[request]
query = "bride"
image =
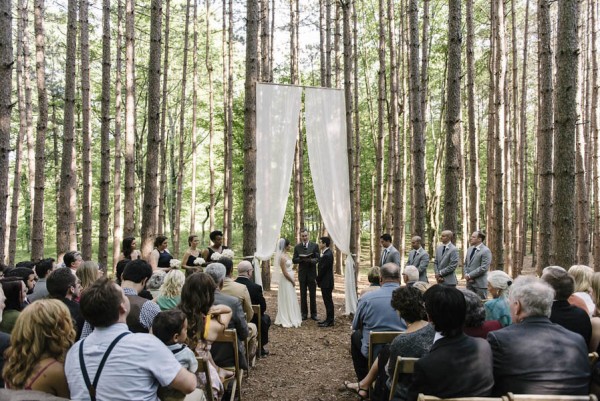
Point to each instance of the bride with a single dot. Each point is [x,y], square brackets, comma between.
[288,310]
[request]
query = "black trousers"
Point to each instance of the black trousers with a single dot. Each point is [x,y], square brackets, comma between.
[360,362]
[307,275]
[328,301]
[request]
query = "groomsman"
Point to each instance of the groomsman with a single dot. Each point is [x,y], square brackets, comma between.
[389,254]
[477,262]
[419,258]
[446,260]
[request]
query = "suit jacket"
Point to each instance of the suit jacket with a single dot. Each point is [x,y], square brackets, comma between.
[313,251]
[240,291]
[393,256]
[572,318]
[454,367]
[420,259]
[222,353]
[537,356]
[325,276]
[255,291]
[477,266]
[446,263]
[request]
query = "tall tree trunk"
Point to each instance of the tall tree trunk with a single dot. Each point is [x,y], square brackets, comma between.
[322,47]
[299,155]
[328,41]
[473,139]
[6,67]
[453,131]
[595,131]
[226,171]
[211,163]
[249,185]
[86,196]
[65,222]
[395,175]
[264,41]
[418,139]
[229,160]
[195,149]
[356,215]
[37,234]
[513,238]
[129,220]
[425,48]
[105,138]
[491,128]
[567,64]
[117,226]
[148,230]
[162,197]
[381,112]
[545,135]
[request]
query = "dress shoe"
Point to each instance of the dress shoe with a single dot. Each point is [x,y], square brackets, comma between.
[314,317]
[304,317]
[323,321]
[326,324]
[264,352]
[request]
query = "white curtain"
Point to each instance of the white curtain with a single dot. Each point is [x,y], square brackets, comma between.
[277,113]
[325,111]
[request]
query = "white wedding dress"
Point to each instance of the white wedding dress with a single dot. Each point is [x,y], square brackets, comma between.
[288,309]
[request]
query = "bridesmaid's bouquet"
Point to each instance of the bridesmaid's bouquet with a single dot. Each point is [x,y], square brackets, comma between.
[175,263]
[227,253]
[199,261]
[215,256]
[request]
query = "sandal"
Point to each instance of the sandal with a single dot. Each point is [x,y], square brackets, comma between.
[225,374]
[357,390]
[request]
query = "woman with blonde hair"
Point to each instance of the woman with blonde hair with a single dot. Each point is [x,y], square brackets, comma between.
[39,342]
[87,273]
[583,276]
[595,282]
[169,294]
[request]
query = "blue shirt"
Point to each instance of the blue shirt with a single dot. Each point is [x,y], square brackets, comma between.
[375,313]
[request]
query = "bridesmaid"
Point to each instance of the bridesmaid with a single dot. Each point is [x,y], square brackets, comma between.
[130,250]
[160,257]
[216,237]
[191,255]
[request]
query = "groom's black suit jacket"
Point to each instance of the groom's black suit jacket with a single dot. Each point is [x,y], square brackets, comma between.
[325,276]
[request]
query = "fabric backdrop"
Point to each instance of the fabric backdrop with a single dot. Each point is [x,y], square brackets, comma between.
[277,113]
[325,111]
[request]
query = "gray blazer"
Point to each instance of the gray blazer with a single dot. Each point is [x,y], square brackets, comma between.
[393,256]
[420,259]
[478,266]
[446,264]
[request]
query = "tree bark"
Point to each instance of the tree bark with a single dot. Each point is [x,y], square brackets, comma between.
[6,67]
[228,228]
[117,227]
[474,198]
[162,201]
[264,41]
[66,221]
[381,117]
[356,215]
[211,163]
[299,155]
[130,120]
[565,120]
[195,150]
[148,230]
[594,126]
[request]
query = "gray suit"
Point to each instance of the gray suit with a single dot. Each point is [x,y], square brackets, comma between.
[446,263]
[420,259]
[392,256]
[477,267]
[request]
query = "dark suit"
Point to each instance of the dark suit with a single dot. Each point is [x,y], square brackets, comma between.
[537,356]
[454,367]
[257,297]
[325,282]
[572,318]
[419,258]
[307,275]
[221,352]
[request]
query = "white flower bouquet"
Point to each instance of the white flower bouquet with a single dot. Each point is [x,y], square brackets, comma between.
[215,256]
[175,263]
[227,253]
[199,261]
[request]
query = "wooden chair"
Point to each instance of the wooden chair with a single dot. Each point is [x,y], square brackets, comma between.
[258,314]
[423,397]
[539,397]
[592,358]
[230,336]
[403,365]
[203,368]
[379,338]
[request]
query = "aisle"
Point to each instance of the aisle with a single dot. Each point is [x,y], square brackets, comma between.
[307,363]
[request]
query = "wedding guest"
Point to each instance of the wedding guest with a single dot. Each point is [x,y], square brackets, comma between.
[475,323]
[169,294]
[410,275]
[583,276]
[27,275]
[4,337]
[87,273]
[15,292]
[142,311]
[497,308]
[373,276]
[190,256]
[40,339]
[245,271]
[42,268]
[65,287]
[130,250]
[160,257]
[155,282]
[72,260]
[119,269]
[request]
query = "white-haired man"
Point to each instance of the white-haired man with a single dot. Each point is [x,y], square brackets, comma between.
[410,275]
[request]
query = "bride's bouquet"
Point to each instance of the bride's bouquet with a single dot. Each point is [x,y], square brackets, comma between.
[215,256]
[175,263]
[227,253]
[199,261]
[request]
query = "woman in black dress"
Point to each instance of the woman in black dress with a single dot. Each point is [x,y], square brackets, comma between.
[216,237]
[160,257]
[191,255]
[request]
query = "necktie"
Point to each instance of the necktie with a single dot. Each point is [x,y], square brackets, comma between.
[383,256]
[306,245]
[444,250]
[472,254]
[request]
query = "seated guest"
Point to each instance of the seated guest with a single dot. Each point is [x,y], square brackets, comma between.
[497,308]
[73,260]
[410,275]
[42,335]
[135,364]
[457,365]
[155,281]
[142,311]
[27,275]
[169,294]
[65,287]
[87,273]
[4,337]
[374,313]
[534,355]
[373,277]
[475,323]
[222,353]
[414,343]
[563,313]
[119,269]
[583,276]
[42,268]
[15,292]
[245,271]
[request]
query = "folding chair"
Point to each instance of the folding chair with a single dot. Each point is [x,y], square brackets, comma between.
[423,397]
[230,336]
[539,397]
[405,366]
[203,368]
[592,358]
[258,314]
[379,338]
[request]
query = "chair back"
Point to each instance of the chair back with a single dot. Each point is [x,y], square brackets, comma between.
[203,368]
[379,338]
[423,397]
[592,358]
[258,314]
[230,336]
[405,366]
[539,397]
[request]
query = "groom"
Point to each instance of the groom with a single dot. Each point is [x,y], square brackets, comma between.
[306,256]
[325,279]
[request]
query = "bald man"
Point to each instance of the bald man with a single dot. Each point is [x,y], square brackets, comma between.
[245,271]
[446,260]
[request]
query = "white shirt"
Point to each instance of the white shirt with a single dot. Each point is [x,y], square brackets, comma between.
[137,365]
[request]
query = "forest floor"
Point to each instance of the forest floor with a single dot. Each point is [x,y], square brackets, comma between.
[309,363]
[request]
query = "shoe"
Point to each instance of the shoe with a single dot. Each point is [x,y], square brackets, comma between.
[264,352]
[304,317]
[322,321]
[326,324]
[363,393]
[314,317]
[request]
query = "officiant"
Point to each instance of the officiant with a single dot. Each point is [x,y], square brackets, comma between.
[306,256]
